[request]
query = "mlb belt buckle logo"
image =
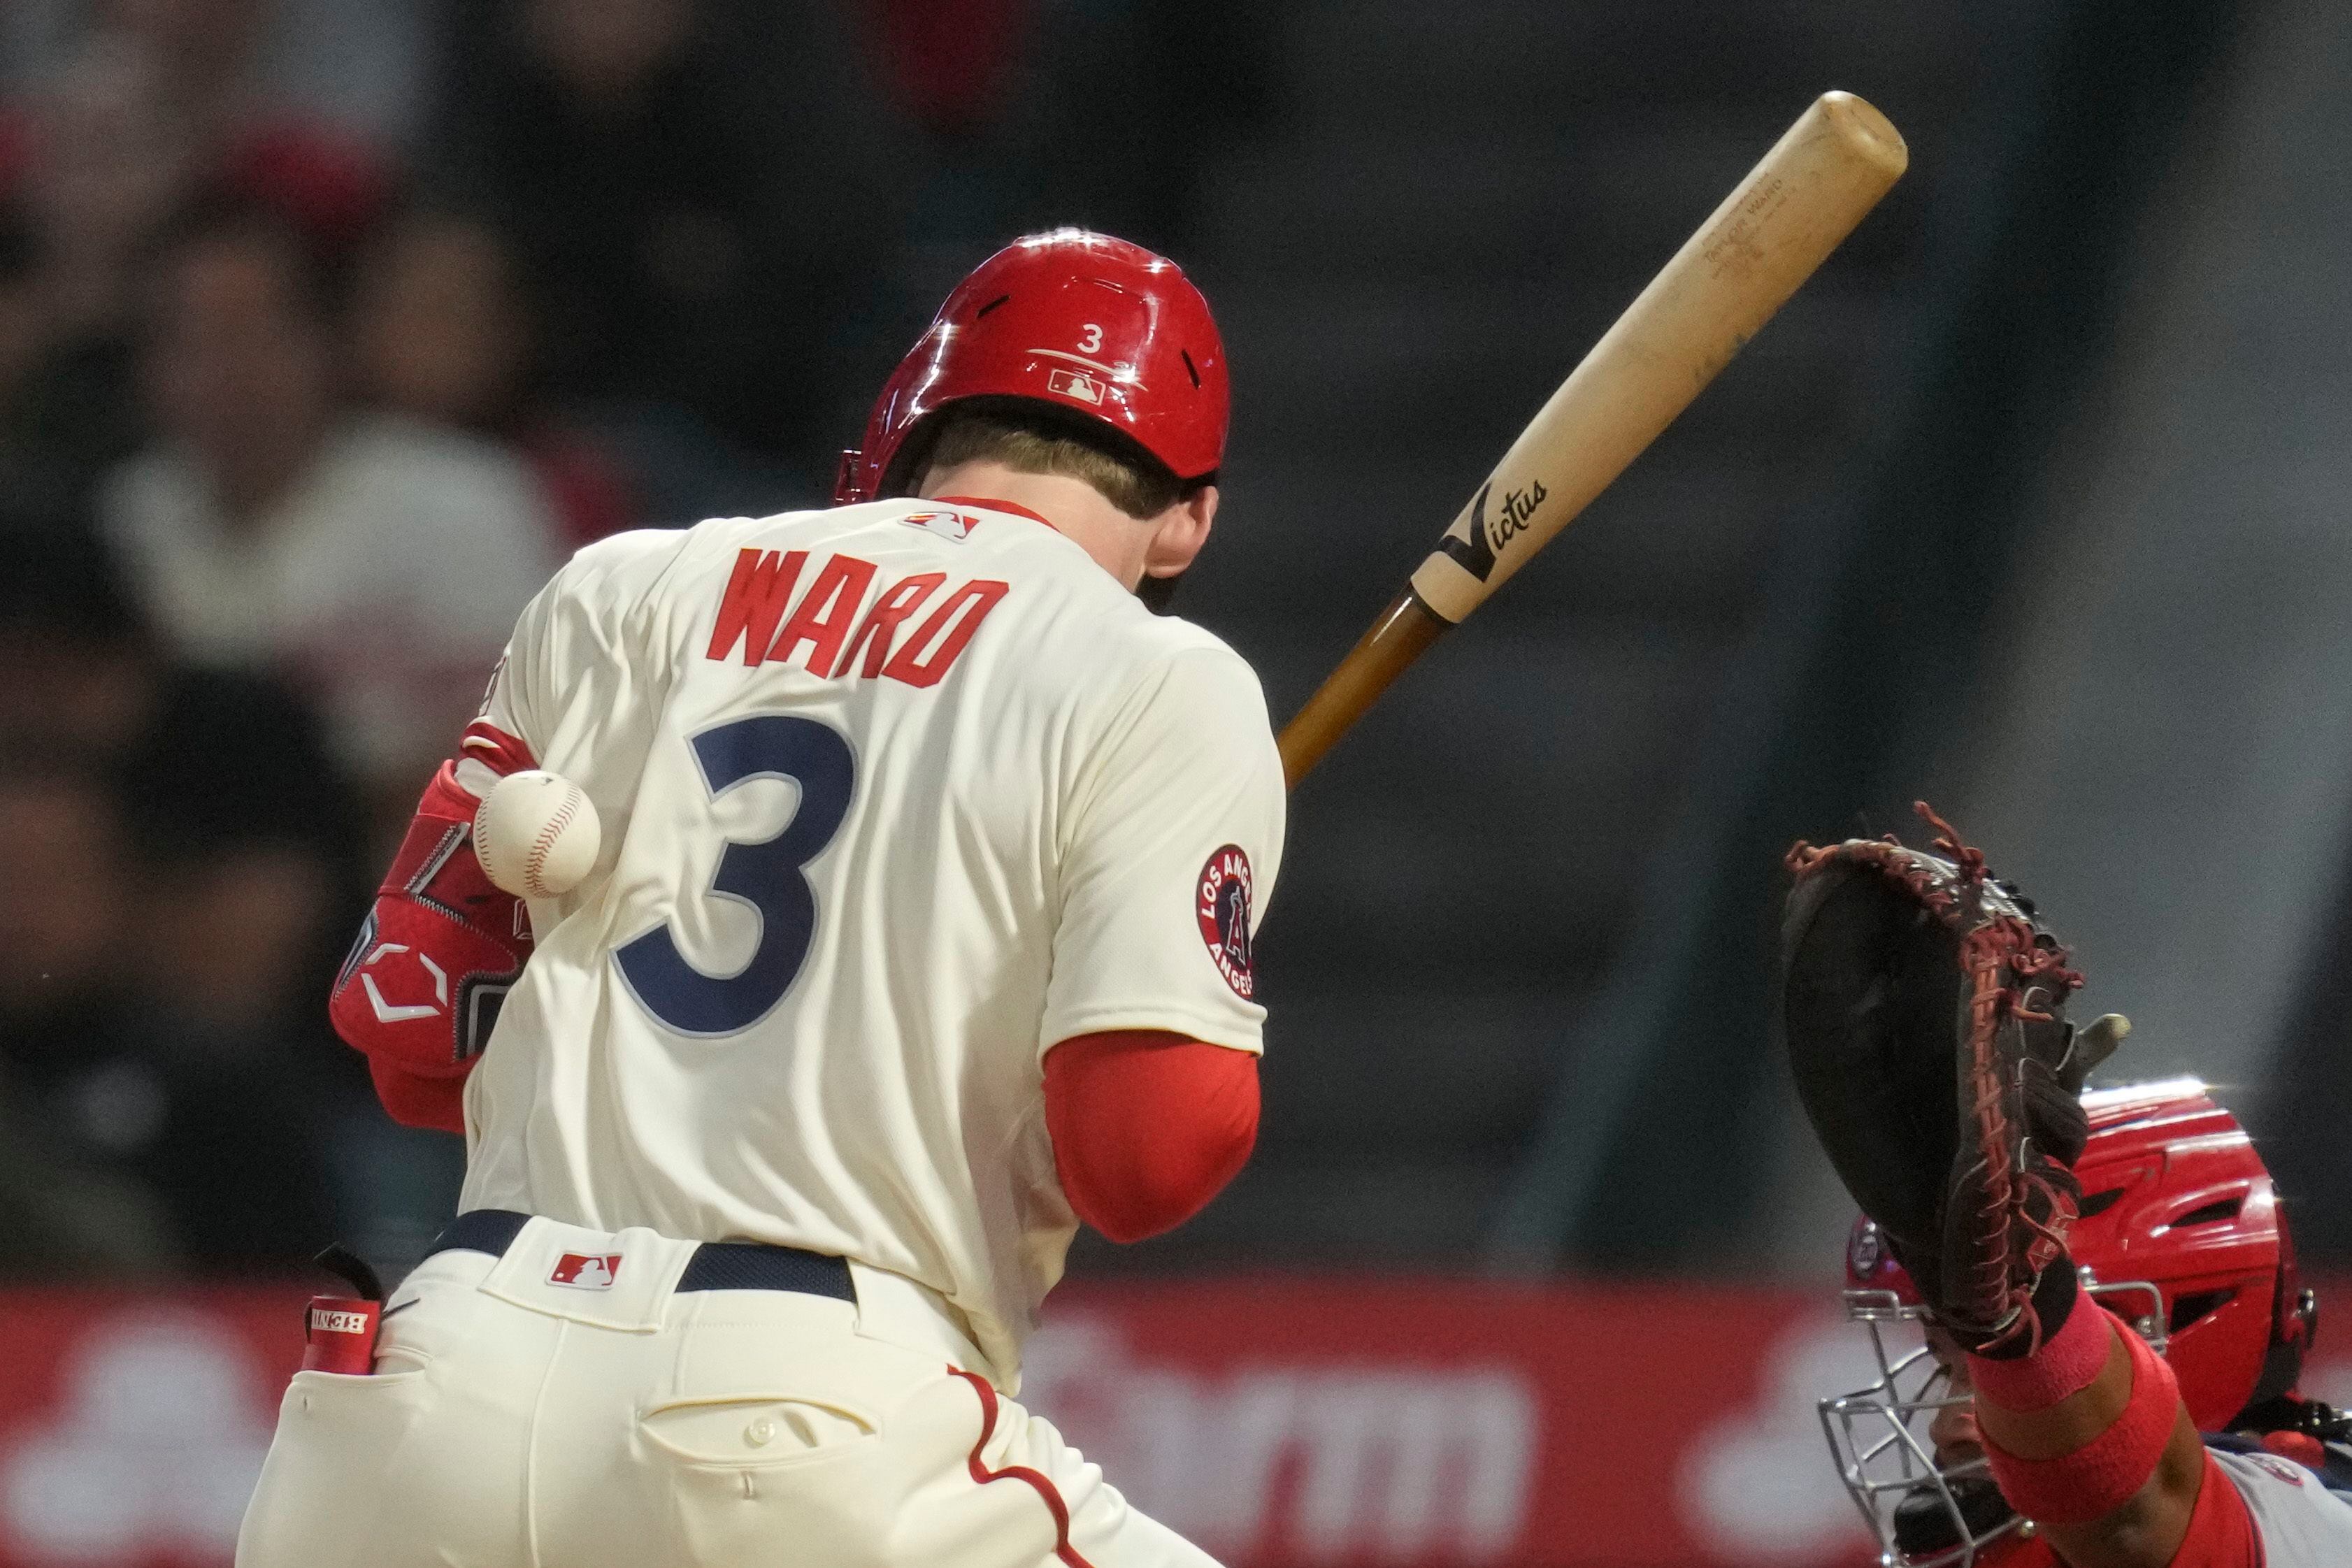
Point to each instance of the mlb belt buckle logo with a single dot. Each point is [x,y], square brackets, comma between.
[585,1270]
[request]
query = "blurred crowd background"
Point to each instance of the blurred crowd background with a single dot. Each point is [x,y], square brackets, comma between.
[328,327]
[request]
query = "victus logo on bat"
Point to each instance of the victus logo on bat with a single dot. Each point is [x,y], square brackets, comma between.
[1475,555]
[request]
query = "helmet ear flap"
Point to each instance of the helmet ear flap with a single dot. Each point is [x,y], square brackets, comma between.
[2306,1319]
[898,477]
[2295,1324]
[854,481]
[2294,1310]
[2282,1362]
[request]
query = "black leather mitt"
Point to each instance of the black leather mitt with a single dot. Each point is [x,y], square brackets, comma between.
[1923,1007]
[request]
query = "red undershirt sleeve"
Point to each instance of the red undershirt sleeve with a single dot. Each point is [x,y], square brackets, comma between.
[2221,1532]
[1147,1127]
[414,1100]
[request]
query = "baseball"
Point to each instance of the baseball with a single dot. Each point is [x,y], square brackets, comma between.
[536,834]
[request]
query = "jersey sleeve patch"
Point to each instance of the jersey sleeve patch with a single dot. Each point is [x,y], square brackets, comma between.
[1220,901]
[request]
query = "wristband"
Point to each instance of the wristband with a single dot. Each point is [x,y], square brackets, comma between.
[2069,1359]
[2107,1472]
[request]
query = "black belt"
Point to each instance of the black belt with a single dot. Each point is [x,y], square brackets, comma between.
[715,1266]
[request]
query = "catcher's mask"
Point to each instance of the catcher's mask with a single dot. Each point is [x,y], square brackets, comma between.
[2181,1236]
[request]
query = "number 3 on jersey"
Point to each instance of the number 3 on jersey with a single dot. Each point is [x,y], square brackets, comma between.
[767,876]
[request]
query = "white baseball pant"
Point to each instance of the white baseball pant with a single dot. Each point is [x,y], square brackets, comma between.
[516,1422]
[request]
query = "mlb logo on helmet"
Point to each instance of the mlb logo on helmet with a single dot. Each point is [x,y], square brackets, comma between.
[1075,384]
[585,1271]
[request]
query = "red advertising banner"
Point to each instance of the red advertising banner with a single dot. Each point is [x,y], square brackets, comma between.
[1282,1423]
[130,1425]
[1290,1422]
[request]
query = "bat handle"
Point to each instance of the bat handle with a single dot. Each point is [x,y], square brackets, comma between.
[1401,634]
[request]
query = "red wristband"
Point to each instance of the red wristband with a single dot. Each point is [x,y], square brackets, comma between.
[2105,1473]
[2065,1365]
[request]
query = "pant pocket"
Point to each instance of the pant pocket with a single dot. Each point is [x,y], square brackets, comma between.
[759,1430]
[755,1482]
[321,1493]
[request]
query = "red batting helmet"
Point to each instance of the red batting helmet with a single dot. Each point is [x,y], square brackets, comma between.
[2180,1235]
[1080,321]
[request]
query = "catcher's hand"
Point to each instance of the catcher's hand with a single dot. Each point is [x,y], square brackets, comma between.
[1923,1009]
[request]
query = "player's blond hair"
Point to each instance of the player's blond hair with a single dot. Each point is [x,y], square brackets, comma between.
[1039,447]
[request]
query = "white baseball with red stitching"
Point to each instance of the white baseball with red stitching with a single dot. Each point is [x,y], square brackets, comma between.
[536,834]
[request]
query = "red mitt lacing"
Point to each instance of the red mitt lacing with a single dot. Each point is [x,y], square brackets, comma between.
[1990,942]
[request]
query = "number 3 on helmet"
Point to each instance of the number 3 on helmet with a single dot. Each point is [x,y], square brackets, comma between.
[1102,330]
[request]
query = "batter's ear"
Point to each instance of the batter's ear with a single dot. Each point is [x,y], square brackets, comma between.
[1178,533]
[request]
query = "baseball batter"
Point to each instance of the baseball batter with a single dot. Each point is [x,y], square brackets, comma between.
[920,930]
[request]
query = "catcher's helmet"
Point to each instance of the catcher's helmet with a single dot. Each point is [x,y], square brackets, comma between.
[2180,1235]
[1099,328]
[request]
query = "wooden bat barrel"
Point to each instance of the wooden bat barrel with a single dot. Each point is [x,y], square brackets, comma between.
[1778,225]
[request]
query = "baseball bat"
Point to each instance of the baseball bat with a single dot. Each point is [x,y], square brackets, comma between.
[1777,225]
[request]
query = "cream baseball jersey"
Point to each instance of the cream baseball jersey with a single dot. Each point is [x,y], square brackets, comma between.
[896,797]
[2300,1522]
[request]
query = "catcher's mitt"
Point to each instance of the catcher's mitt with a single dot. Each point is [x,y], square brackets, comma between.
[1923,1009]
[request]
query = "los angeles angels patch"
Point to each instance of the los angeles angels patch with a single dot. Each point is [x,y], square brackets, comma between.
[1220,901]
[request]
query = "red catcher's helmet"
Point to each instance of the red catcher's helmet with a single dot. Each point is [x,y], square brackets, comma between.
[2182,1234]
[1076,320]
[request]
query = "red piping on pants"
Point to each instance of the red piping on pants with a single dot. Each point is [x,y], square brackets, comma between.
[981,1474]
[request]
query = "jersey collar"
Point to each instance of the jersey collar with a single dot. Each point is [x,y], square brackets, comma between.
[994,506]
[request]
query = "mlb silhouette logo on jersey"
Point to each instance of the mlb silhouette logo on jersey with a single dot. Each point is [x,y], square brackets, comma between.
[585,1271]
[955,527]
